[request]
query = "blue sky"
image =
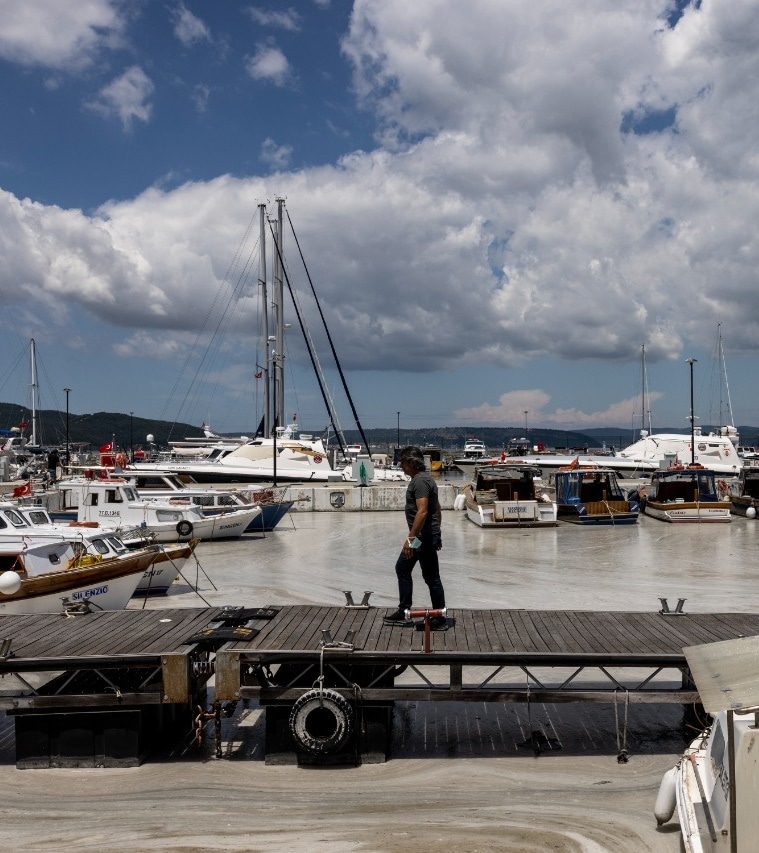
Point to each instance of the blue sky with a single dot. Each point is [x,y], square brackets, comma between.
[498,204]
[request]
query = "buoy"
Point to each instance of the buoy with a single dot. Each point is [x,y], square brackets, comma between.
[751,512]
[664,807]
[321,721]
[459,502]
[10,583]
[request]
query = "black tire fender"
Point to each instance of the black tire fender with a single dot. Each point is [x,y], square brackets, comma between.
[184,527]
[321,721]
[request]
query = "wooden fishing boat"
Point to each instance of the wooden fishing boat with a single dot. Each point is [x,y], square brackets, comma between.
[508,496]
[592,496]
[686,494]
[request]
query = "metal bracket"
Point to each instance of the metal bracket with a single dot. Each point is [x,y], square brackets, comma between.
[328,642]
[678,611]
[350,603]
[5,648]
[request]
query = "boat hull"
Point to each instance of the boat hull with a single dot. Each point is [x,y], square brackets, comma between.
[699,512]
[506,514]
[107,585]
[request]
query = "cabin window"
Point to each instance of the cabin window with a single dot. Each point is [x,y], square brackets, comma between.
[203,500]
[113,496]
[15,519]
[39,516]
[100,546]
[92,499]
[168,515]
[3,523]
[226,500]
[117,545]
[53,558]
[130,494]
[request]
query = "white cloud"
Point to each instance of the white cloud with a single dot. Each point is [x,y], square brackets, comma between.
[287,20]
[276,156]
[63,36]
[126,98]
[504,216]
[188,28]
[269,63]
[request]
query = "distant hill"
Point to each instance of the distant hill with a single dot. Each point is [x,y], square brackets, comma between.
[96,429]
[131,431]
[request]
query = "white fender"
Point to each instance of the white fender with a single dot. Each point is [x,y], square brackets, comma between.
[751,512]
[664,807]
[459,502]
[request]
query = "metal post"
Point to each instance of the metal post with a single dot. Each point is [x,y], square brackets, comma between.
[398,440]
[691,362]
[68,453]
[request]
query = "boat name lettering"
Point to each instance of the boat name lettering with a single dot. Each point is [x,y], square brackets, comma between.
[518,510]
[89,593]
[109,513]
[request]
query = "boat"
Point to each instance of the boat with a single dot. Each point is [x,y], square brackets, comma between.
[289,456]
[113,503]
[713,786]
[508,496]
[474,450]
[46,575]
[22,525]
[592,496]
[686,494]
[744,499]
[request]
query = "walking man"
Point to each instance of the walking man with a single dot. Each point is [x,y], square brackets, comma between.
[423,517]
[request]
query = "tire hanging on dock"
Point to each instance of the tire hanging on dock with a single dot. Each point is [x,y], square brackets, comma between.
[321,721]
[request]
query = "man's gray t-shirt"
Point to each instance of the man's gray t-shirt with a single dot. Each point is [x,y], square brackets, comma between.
[423,485]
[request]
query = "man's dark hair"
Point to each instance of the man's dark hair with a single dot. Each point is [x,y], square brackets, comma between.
[414,456]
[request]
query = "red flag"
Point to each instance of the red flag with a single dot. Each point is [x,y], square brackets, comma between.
[258,375]
[575,463]
[106,448]
[20,491]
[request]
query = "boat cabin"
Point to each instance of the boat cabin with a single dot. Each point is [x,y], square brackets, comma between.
[684,485]
[505,483]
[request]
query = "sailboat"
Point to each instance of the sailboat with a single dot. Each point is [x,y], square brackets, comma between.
[280,452]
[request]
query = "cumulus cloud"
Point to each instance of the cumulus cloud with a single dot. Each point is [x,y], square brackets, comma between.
[513,406]
[269,63]
[126,98]
[544,184]
[62,36]
[188,28]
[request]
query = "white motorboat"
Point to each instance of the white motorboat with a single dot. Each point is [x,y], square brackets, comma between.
[713,787]
[474,450]
[687,494]
[114,503]
[507,496]
[22,525]
[288,457]
[744,497]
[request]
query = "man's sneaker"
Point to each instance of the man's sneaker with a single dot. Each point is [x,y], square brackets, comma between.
[397,618]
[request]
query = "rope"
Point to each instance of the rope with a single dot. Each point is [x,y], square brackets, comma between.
[623,755]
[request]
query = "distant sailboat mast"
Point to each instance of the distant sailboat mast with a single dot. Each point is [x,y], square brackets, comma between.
[644,395]
[723,375]
[33,351]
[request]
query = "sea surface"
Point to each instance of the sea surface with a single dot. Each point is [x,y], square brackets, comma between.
[460,774]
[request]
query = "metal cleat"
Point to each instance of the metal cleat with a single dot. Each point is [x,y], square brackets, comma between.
[350,603]
[678,611]
[328,642]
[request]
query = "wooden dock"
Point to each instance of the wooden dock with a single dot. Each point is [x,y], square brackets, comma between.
[99,688]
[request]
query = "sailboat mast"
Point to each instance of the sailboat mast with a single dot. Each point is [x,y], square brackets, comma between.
[279,315]
[642,388]
[731,421]
[33,352]
[265,324]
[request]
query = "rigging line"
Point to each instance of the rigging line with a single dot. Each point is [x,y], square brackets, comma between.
[309,345]
[329,337]
[214,345]
[206,319]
